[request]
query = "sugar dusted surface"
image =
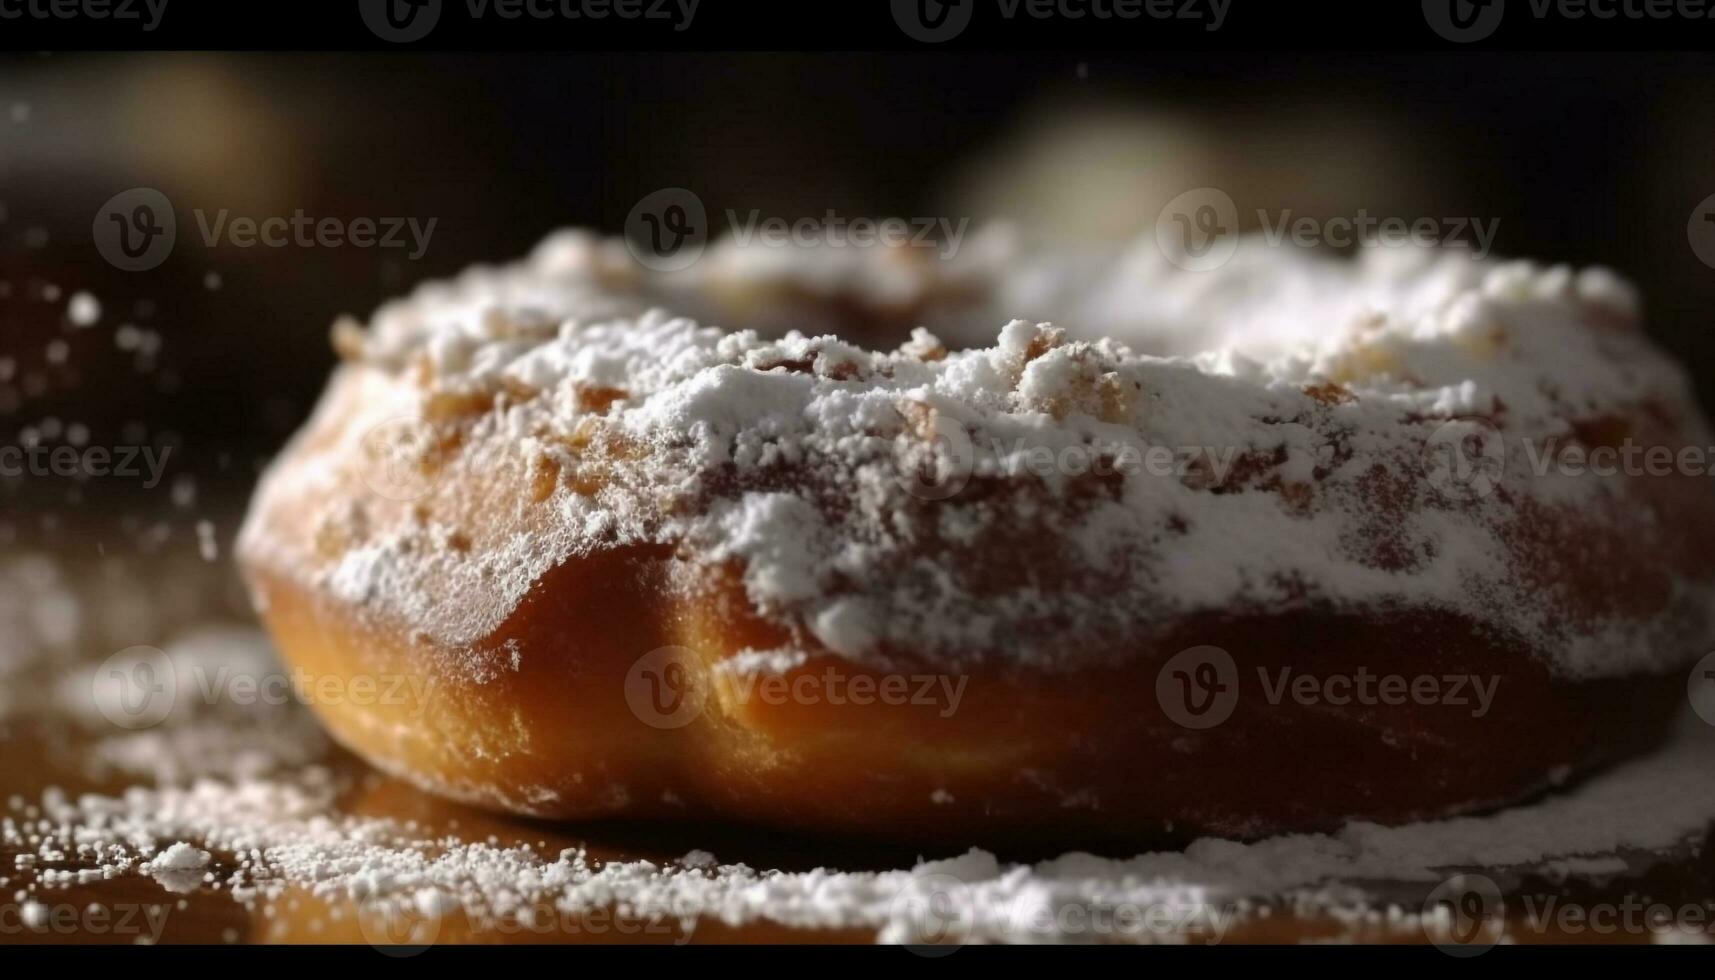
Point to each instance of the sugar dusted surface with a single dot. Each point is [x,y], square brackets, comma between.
[283,826]
[1298,396]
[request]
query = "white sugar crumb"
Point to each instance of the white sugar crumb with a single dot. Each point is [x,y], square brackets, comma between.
[1295,398]
[179,857]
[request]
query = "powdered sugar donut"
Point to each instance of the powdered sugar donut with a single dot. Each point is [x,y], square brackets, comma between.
[1358,559]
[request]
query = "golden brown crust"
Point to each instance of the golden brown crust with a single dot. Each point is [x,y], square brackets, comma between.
[1091,756]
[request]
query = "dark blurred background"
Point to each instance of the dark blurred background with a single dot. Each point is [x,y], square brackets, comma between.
[219,352]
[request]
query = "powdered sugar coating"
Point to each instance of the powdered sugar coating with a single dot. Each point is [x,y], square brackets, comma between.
[1294,471]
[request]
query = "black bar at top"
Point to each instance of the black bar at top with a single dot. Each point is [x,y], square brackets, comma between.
[927,25]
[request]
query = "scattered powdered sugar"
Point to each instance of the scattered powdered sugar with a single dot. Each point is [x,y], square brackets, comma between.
[970,505]
[259,838]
